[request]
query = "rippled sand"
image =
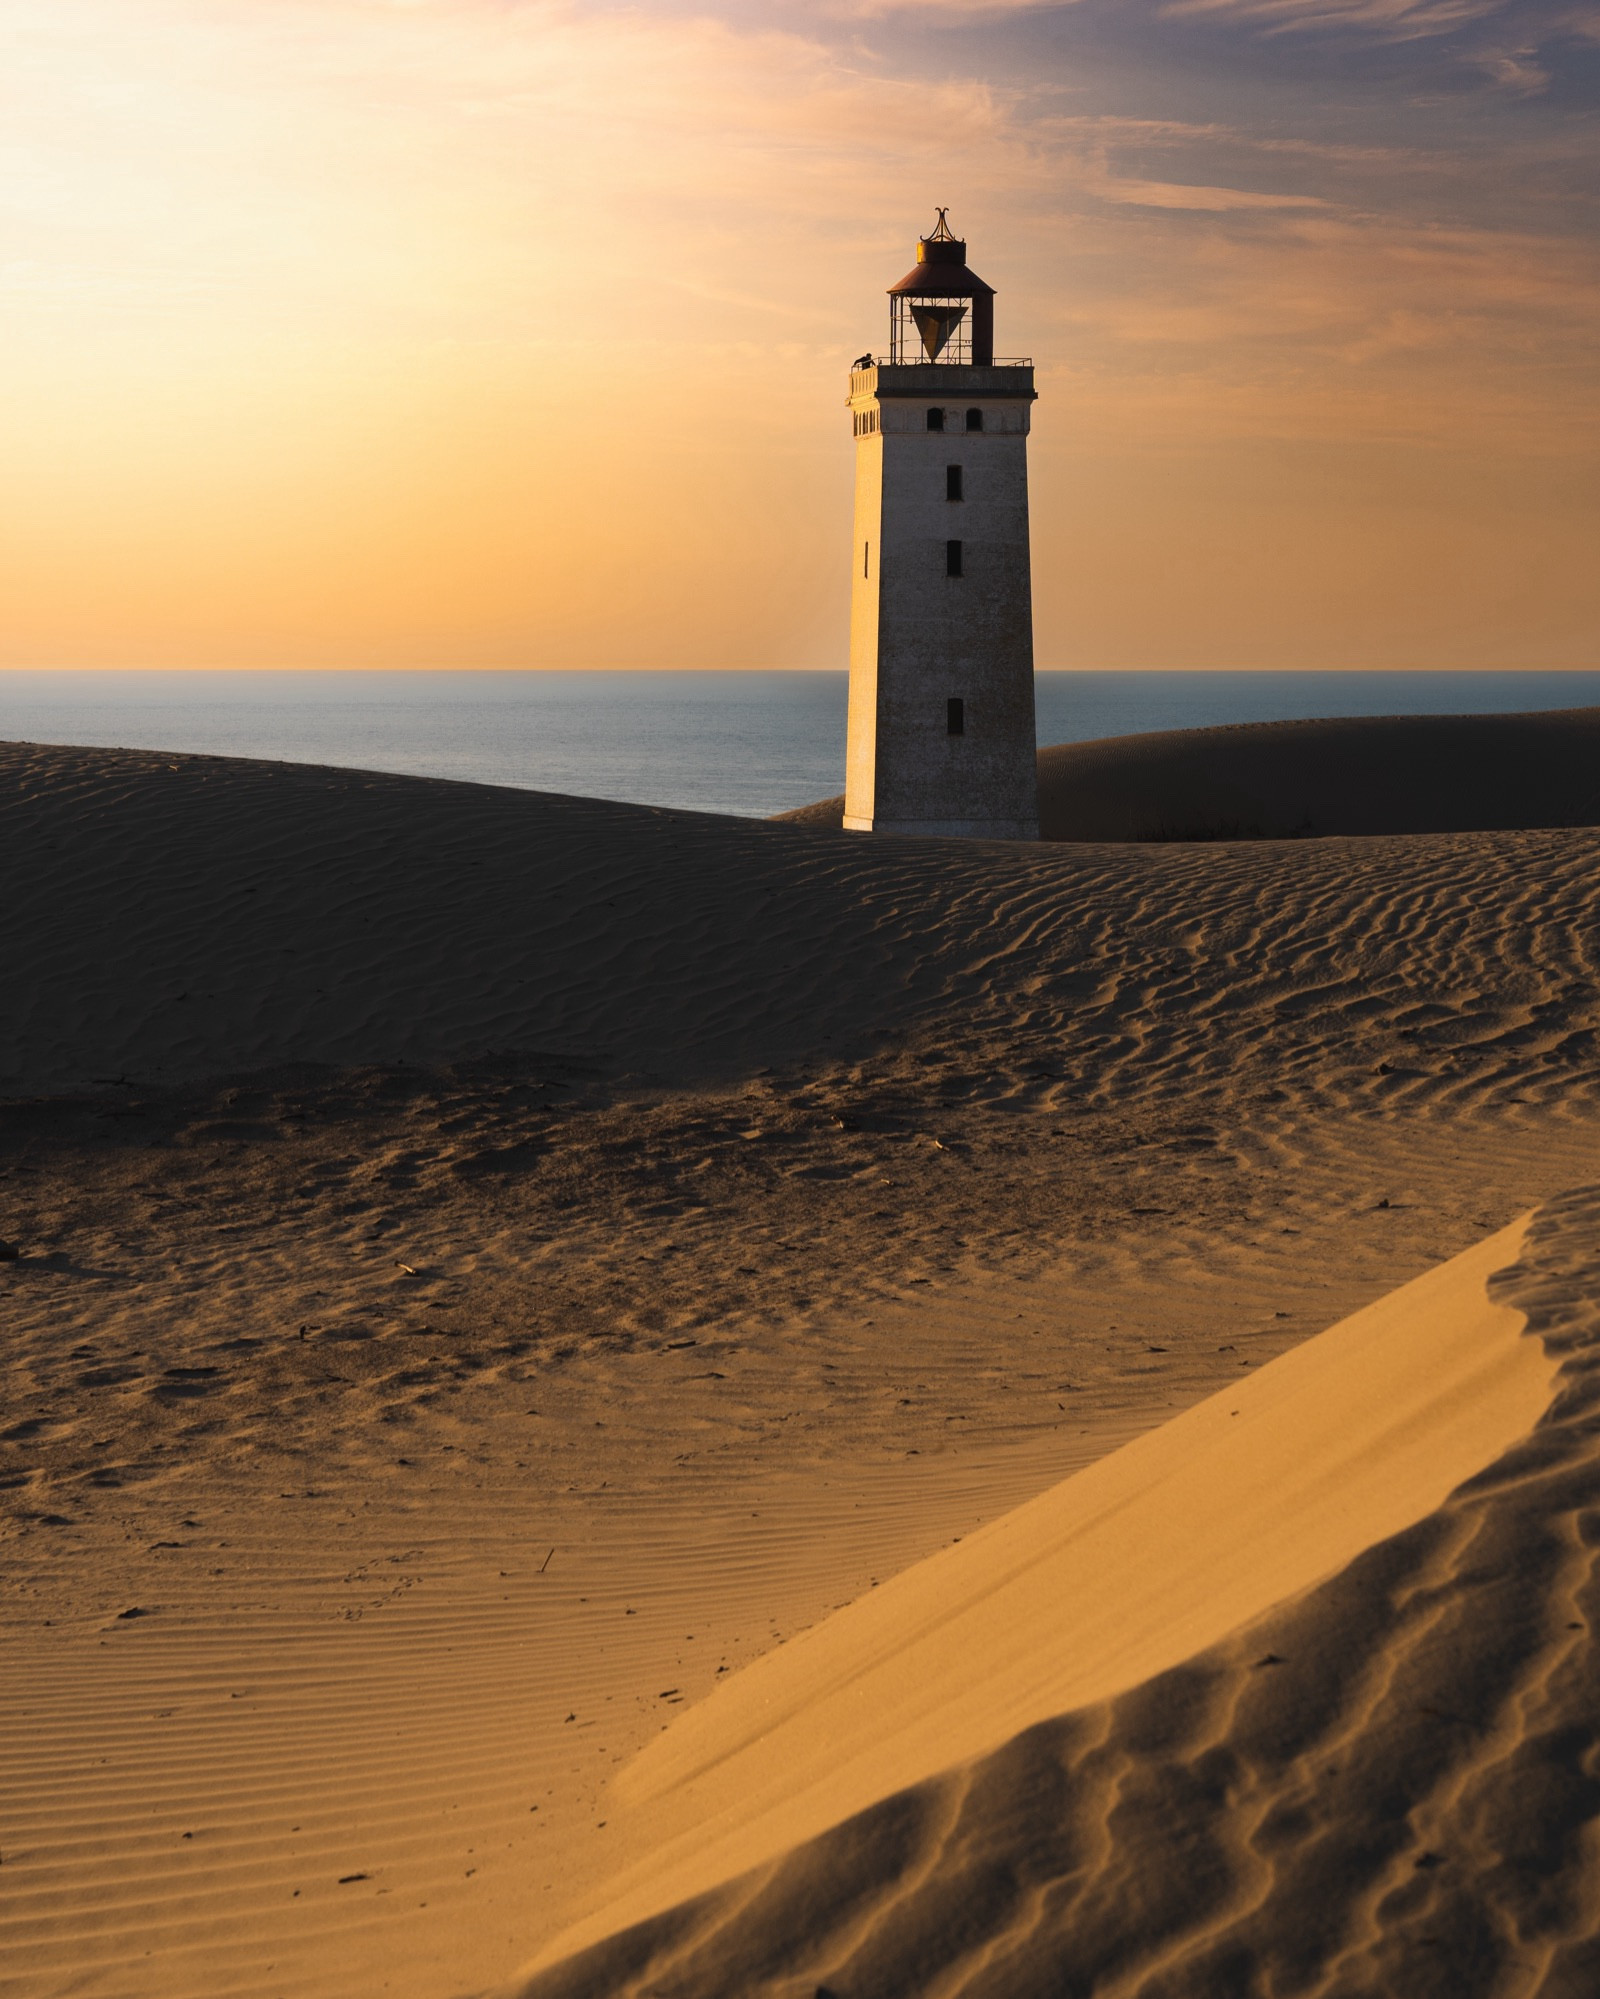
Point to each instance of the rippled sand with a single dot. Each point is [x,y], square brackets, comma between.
[411,1180]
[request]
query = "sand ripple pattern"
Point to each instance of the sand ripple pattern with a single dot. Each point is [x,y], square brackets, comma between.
[1390,1785]
[263,914]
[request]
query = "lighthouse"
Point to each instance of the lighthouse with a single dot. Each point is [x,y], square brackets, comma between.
[941,735]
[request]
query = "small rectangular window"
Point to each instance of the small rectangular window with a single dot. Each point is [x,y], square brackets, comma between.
[866,558]
[952,558]
[955,716]
[936,419]
[952,482]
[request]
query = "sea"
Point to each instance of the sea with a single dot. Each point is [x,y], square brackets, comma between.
[749,743]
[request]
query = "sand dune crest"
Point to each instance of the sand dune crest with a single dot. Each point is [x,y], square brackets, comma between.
[1362,774]
[1119,1574]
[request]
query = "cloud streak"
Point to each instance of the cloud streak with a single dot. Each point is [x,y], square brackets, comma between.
[1203,200]
[1397,20]
[1516,71]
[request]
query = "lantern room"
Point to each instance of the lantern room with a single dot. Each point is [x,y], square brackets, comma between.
[940,311]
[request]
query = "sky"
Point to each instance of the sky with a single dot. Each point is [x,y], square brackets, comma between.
[515,333]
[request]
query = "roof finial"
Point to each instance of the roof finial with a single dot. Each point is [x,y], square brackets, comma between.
[942,232]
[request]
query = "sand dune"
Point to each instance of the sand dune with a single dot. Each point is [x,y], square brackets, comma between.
[407,1178]
[191,918]
[333,1754]
[1147,1559]
[1282,780]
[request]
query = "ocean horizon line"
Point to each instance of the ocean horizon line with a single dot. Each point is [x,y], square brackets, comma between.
[750,742]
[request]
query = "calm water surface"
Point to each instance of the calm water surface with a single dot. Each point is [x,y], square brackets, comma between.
[749,743]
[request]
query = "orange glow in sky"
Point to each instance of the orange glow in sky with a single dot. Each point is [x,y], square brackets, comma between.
[476,333]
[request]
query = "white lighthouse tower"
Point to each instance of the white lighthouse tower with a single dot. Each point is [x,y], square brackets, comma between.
[941,616]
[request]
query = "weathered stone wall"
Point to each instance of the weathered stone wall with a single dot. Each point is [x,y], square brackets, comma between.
[861,753]
[920,636]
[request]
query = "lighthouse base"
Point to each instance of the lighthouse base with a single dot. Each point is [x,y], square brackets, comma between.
[948,829]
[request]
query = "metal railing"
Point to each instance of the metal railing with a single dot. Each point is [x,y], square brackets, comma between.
[999,361]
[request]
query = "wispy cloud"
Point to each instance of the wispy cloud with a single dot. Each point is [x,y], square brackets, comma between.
[871,9]
[1204,200]
[1395,20]
[1517,71]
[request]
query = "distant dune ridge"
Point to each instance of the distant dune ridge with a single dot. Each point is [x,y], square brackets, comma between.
[1282,780]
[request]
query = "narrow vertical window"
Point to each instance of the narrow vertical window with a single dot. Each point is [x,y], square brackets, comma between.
[952,482]
[955,716]
[866,558]
[974,419]
[952,558]
[936,419]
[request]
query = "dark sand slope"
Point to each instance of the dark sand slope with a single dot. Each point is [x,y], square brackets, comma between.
[1278,780]
[1388,1785]
[183,917]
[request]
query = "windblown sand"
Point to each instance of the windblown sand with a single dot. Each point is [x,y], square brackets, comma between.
[491,1266]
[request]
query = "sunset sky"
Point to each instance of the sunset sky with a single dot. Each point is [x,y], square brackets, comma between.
[482,333]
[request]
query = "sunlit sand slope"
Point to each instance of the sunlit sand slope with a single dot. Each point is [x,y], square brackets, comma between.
[1356,774]
[1381,1785]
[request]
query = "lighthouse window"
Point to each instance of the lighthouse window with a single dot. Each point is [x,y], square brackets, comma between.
[866,558]
[936,419]
[952,482]
[974,419]
[952,558]
[955,716]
